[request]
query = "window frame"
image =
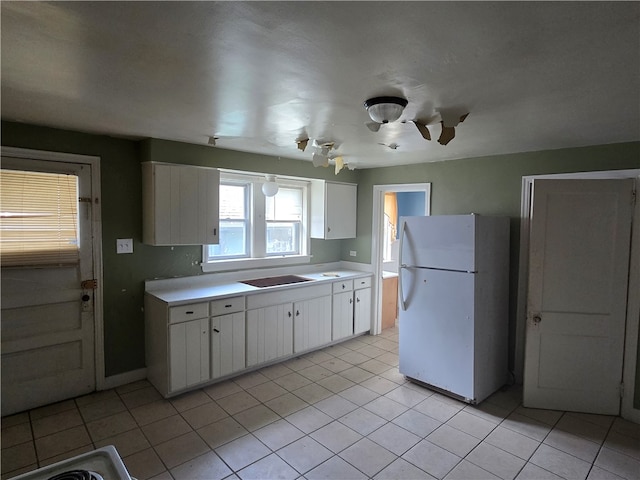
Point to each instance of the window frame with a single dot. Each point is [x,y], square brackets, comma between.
[257,226]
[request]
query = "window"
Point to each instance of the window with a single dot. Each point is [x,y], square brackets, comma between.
[39,218]
[234,222]
[259,230]
[284,221]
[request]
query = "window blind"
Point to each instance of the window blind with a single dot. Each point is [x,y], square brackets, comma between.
[38,219]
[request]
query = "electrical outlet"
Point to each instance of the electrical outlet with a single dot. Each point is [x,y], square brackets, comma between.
[353,253]
[124,245]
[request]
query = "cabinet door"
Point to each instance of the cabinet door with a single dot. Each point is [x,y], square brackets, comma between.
[312,323]
[180,204]
[188,354]
[340,201]
[227,344]
[269,333]
[342,318]
[333,209]
[362,311]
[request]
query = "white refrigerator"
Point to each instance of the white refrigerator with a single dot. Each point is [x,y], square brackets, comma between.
[454,302]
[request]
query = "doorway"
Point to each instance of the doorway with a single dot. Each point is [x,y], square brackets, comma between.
[51,289]
[632,304]
[390,203]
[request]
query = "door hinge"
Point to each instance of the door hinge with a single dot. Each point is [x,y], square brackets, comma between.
[89,284]
[621,389]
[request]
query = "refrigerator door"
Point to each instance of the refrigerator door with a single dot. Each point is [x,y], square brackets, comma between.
[437,329]
[445,242]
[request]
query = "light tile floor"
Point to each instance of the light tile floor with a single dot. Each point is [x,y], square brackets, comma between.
[343,412]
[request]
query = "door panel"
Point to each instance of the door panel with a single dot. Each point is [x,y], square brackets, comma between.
[47,329]
[437,329]
[579,263]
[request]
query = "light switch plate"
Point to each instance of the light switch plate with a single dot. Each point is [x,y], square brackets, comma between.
[124,245]
[353,253]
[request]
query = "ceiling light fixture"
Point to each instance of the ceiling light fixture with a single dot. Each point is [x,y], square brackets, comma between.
[385,109]
[270,187]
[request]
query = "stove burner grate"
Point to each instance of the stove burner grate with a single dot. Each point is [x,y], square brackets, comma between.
[77,475]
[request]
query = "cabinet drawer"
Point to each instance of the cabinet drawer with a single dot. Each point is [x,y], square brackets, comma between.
[343,286]
[227,305]
[362,282]
[188,312]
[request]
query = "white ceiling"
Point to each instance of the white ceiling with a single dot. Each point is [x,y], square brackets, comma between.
[259,75]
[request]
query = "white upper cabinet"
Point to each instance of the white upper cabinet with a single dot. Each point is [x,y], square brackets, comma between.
[180,204]
[333,209]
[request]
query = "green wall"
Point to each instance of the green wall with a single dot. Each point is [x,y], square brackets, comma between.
[121,184]
[487,185]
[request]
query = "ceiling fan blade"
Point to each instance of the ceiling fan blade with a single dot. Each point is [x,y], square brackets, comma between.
[448,133]
[422,128]
[373,126]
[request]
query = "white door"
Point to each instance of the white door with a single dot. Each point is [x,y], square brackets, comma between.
[342,318]
[362,311]
[227,344]
[578,271]
[189,353]
[312,323]
[48,337]
[269,333]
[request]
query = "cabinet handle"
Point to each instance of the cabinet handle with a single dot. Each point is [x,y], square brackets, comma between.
[216,330]
[344,286]
[228,306]
[328,229]
[297,313]
[289,313]
[189,313]
[358,300]
[350,301]
[215,231]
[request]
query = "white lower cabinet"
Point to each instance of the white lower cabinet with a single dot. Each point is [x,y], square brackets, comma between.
[312,323]
[342,312]
[190,345]
[269,333]
[227,344]
[188,353]
[362,306]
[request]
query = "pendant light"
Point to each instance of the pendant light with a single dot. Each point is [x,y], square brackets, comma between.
[270,187]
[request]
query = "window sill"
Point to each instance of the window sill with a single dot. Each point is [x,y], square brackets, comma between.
[249,263]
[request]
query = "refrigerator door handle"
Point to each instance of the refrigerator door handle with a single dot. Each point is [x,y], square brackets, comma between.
[403,305]
[403,228]
[401,265]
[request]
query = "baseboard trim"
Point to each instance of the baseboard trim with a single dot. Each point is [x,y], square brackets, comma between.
[123,378]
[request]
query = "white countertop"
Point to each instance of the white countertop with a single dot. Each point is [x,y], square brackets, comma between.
[199,291]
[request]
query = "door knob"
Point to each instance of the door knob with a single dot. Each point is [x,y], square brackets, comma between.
[86,298]
[536,319]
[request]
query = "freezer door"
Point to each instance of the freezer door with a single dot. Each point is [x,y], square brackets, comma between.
[437,329]
[446,242]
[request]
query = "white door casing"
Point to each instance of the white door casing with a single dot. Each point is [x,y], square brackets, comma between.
[51,343]
[377,245]
[579,243]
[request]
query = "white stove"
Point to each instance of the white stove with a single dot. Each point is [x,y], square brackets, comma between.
[100,464]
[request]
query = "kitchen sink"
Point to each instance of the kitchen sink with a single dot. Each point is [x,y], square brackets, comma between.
[274,281]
